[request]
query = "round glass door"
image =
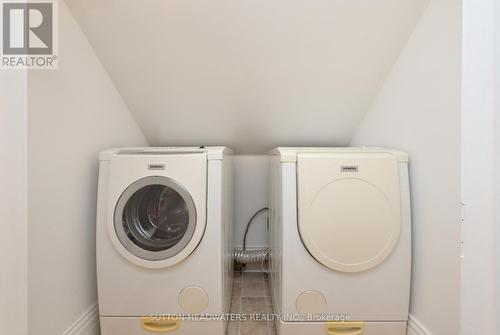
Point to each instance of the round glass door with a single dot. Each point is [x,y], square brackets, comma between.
[155,218]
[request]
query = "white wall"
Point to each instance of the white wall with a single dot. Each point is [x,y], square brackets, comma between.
[496,130]
[418,110]
[13,202]
[74,112]
[478,167]
[251,179]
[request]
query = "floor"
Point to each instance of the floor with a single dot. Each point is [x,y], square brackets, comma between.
[252,300]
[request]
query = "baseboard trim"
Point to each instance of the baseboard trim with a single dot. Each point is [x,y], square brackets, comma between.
[415,327]
[86,324]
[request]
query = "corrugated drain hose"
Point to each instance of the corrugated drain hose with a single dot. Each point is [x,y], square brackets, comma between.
[251,256]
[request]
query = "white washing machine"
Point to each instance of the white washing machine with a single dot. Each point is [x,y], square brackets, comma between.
[163,240]
[341,240]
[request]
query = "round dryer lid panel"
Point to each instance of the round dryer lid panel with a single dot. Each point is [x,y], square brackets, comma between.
[349,208]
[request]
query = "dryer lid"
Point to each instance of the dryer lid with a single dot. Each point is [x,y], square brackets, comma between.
[349,208]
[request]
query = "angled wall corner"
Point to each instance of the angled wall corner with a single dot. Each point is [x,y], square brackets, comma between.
[250,75]
[74,112]
[418,111]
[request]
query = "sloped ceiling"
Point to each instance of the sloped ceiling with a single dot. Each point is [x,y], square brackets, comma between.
[251,74]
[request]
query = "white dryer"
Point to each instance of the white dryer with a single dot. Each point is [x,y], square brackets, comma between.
[163,240]
[341,240]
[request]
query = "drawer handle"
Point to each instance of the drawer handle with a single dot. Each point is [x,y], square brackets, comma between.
[160,326]
[344,328]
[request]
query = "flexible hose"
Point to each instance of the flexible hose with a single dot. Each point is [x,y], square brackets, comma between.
[249,223]
[250,256]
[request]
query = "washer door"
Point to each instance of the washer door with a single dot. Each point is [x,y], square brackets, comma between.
[155,218]
[349,208]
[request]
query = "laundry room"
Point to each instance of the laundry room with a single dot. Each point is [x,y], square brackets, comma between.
[250,167]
